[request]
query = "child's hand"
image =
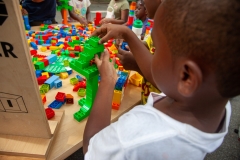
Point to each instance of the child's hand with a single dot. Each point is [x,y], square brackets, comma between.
[105,21]
[83,21]
[111,31]
[127,60]
[107,71]
[24,12]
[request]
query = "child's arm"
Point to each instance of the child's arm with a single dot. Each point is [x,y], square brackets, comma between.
[88,15]
[100,116]
[79,19]
[140,52]
[123,20]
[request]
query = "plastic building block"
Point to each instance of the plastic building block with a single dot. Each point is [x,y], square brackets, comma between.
[45,88]
[74,81]
[45,74]
[97,18]
[64,75]
[49,113]
[51,80]
[94,41]
[81,92]
[115,106]
[41,80]
[60,97]
[45,61]
[136,79]
[33,52]
[26,22]
[117,97]
[43,49]
[123,46]
[34,45]
[66,63]
[39,65]
[69,99]
[58,83]
[56,104]
[38,73]
[79,78]
[43,99]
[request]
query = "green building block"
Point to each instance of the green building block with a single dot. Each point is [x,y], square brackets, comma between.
[81,92]
[66,63]
[81,102]
[39,65]
[93,41]
[45,87]
[42,92]
[74,81]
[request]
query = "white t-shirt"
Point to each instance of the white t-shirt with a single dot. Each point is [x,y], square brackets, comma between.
[145,133]
[79,8]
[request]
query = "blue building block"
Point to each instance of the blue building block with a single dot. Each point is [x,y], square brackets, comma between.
[56,104]
[51,58]
[80,79]
[31,32]
[58,83]
[46,45]
[50,81]
[123,46]
[38,73]
[34,45]
[26,22]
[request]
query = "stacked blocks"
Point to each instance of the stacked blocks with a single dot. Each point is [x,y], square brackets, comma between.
[82,66]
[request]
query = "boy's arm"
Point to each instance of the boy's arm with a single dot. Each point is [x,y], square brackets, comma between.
[140,52]
[79,19]
[100,116]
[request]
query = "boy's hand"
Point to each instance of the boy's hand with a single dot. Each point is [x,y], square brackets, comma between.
[107,71]
[127,60]
[105,21]
[24,12]
[111,31]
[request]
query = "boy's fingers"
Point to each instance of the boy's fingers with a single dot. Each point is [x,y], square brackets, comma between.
[127,47]
[99,31]
[106,55]
[97,60]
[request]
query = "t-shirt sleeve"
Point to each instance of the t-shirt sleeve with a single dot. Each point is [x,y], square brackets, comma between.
[88,3]
[105,145]
[125,6]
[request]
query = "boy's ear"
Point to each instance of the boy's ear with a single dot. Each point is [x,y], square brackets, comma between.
[190,78]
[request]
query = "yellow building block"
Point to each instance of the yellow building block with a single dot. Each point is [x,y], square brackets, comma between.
[117,97]
[136,79]
[74,37]
[61,46]
[53,48]
[43,49]
[64,75]
[45,74]
[40,58]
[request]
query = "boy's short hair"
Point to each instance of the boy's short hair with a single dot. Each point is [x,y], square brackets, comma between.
[141,2]
[208,32]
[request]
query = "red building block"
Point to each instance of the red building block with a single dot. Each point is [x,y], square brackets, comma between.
[49,113]
[115,106]
[60,96]
[33,52]
[45,61]
[41,79]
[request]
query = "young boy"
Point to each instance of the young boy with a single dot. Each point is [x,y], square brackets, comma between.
[80,12]
[195,64]
[40,11]
[141,14]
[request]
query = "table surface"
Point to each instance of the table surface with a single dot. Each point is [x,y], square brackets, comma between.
[70,135]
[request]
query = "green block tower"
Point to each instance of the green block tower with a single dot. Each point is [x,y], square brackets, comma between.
[83,67]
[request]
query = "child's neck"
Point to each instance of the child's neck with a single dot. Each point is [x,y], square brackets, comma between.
[202,114]
[143,18]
